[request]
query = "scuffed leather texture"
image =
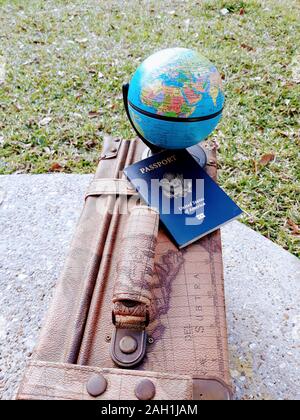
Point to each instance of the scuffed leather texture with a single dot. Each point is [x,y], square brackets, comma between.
[135,268]
[187,311]
[63,381]
[110,186]
[72,382]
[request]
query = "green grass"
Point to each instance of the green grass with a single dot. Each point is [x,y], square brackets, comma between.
[65,59]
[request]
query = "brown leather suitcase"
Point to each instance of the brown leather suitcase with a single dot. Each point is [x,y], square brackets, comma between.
[132,316]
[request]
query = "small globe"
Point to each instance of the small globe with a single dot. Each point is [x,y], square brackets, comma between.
[175,98]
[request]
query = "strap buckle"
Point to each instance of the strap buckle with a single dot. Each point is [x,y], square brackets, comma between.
[128,347]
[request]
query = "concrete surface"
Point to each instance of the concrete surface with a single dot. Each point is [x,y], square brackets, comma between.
[262,286]
[37,217]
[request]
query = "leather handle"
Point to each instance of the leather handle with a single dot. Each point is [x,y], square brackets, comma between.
[132,291]
[135,269]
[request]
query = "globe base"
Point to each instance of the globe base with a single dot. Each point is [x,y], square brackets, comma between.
[199,154]
[196,151]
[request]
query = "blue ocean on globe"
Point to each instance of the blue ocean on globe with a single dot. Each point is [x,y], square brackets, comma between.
[176,98]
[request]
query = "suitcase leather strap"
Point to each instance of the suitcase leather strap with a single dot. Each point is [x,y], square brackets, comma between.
[109,186]
[132,290]
[61,381]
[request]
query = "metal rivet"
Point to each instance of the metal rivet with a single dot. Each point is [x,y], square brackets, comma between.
[113,150]
[145,390]
[108,338]
[150,340]
[128,344]
[96,385]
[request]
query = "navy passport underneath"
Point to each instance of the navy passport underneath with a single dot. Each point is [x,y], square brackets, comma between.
[189,201]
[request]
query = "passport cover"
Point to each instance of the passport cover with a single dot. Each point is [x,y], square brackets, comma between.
[190,203]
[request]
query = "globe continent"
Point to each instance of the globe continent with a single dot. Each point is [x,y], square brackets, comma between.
[170,92]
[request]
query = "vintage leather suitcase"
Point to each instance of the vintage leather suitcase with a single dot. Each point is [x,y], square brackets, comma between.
[132,317]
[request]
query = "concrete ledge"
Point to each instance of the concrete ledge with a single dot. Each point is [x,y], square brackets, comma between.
[262,285]
[38,214]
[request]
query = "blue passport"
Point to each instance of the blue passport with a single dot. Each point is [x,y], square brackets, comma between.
[190,203]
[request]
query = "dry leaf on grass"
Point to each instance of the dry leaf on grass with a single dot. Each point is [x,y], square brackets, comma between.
[94,114]
[267,158]
[247,47]
[295,228]
[90,144]
[56,167]
[255,166]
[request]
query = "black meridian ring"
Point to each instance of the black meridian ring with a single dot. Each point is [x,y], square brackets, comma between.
[175,119]
[155,149]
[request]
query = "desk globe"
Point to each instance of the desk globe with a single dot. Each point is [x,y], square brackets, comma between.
[175,99]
